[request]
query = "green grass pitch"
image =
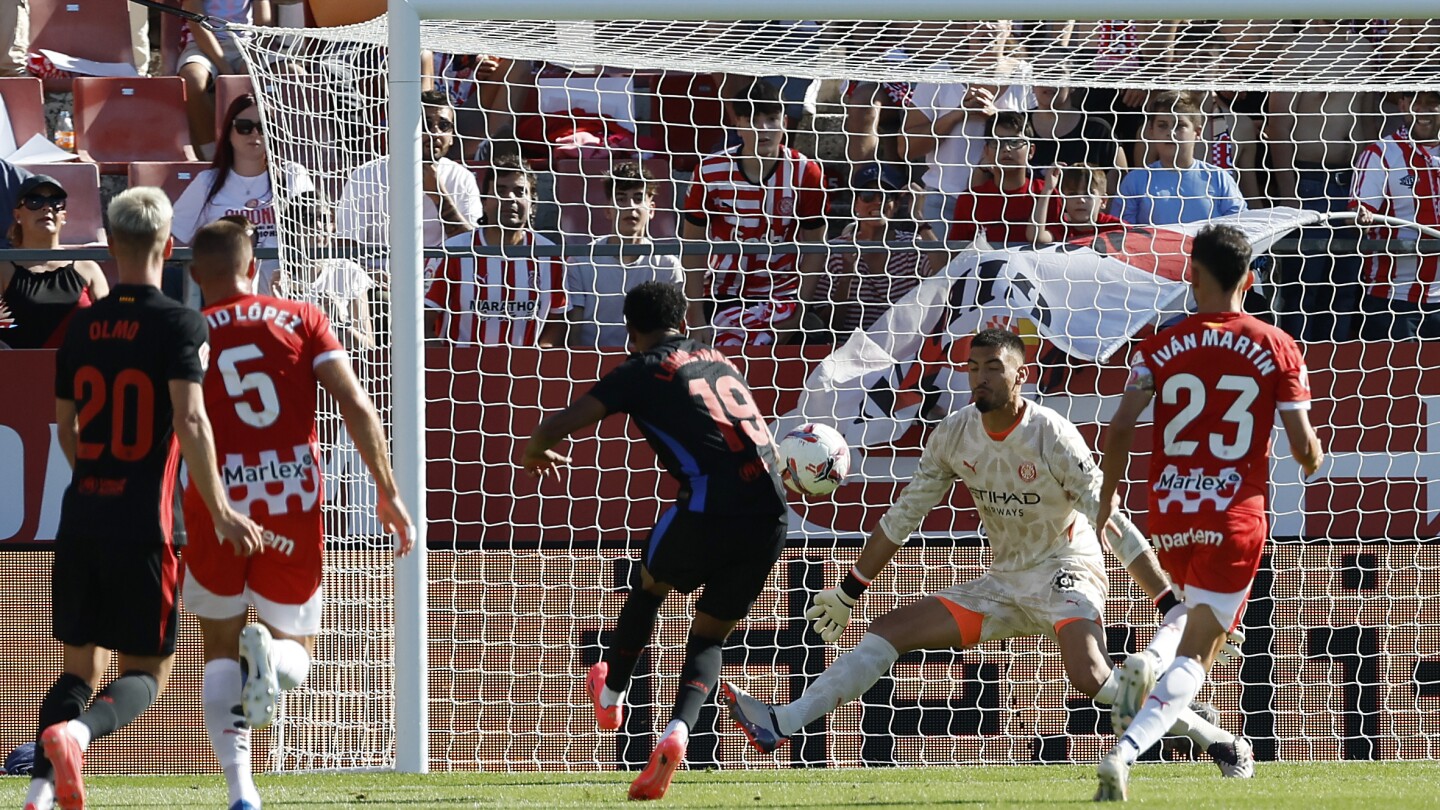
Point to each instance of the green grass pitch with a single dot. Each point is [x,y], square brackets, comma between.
[1388,785]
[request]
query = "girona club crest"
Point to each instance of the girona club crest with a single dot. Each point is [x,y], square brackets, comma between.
[786,206]
[1027,472]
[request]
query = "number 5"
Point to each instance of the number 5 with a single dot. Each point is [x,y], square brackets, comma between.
[237,385]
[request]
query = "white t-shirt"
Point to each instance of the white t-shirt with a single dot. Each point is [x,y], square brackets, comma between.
[361,214]
[337,284]
[250,197]
[957,154]
[1037,489]
[598,285]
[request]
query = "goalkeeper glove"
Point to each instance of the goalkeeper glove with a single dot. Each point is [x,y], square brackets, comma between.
[1231,651]
[830,609]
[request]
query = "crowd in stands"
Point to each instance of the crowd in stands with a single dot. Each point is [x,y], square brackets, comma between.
[907,166]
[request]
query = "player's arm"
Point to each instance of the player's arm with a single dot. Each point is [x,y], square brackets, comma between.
[363,424]
[1120,437]
[696,265]
[67,429]
[197,445]
[553,333]
[539,458]
[1304,443]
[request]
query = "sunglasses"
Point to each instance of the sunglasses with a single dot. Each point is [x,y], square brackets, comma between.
[247,126]
[35,202]
[869,195]
[440,125]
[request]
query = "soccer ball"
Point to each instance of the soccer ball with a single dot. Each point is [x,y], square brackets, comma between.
[815,459]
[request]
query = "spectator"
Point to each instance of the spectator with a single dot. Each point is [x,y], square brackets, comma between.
[11,178]
[1118,48]
[41,297]
[452,199]
[206,54]
[1066,136]
[1002,207]
[241,182]
[1176,187]
[14,37]
[1231,142]
[1399,176]
[858,288]
[499,300]
[1082,204]
[1313,139]
[874,117]
[338,286]
[946,123]
[761,192]
[481,89]
[598,285]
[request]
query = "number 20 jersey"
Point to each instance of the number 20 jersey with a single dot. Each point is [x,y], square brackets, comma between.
[260,392]
[1219,378]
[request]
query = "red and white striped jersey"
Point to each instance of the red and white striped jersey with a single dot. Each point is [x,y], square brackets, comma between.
[1398,177]
[733,208]
[495,301]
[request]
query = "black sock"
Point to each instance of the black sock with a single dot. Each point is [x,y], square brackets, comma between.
[632,636]
[703,657]
[66,700]
[120,702]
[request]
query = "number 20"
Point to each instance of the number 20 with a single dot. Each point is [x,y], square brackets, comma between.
[1239,414]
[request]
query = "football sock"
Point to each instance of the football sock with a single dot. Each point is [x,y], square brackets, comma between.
[676,726]
[1167,636]
[66,700]
[632,635]
[1188,724]
[292,663]
[697,677]
[225,721]
[609,697]
[1106,695]
[81,733]
[845,680]
[119,703]
[41,793]
[1172,695]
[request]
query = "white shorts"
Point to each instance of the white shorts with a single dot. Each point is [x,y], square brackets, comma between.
[293,620]
[1037,601]
[193,54]
[1227,607]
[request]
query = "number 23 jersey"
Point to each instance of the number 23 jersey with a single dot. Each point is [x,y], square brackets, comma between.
[1218,379]
[260,392]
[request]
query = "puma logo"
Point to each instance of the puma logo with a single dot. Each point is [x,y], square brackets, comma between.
[1163,703]
[968,464]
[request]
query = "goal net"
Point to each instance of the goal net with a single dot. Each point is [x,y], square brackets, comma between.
[920,181]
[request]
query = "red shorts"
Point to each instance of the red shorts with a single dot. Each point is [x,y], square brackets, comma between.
[1217,552]
[288,571]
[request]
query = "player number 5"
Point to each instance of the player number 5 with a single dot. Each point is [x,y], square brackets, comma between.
[1246,390]
[238,385]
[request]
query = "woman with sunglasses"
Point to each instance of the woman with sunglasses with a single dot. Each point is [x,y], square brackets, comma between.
[241,181]
[41,296]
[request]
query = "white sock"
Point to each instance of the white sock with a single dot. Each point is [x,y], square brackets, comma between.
[80,732]
[1106,695]
[292,663]
[845,680]
[1201,731]
[229,736]
[1167,636]
[1172,695]
[609,697]
[677,726]
[41,794]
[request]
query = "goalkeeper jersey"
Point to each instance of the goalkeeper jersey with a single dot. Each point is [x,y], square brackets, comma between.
[1036,486]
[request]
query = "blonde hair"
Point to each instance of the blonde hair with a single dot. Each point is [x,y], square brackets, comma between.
[140,217]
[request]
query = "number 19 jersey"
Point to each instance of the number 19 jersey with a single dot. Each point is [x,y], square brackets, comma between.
[260,392]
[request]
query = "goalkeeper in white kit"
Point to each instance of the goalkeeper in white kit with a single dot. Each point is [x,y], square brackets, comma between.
[1037,490]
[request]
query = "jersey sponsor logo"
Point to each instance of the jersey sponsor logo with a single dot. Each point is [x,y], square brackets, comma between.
[1027,472]
[1003,504]
[1189,537]
[279,542]
[507,309]
[103,487]
[1408,180]
[1064,582]
[1191,491]
[298,478]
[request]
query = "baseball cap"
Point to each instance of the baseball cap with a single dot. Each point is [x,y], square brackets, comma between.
[36,182]
[876,176]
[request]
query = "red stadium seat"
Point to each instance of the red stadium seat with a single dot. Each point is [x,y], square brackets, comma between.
[84,223]
[91,29]
[172,178]
[227,89]
[25,104]
[688,116]
[118,121]
[171,34]
[585,210]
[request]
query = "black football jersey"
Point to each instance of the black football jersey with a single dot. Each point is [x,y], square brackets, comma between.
[116,364]
[699,416]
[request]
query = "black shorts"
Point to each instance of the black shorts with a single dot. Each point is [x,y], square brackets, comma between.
[123,597]
[730,556]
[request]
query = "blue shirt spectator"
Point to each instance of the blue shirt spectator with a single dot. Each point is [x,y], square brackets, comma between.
[11,176]
[1158,196]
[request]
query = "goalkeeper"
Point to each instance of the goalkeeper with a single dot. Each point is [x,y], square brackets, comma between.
[1037,490]
[726,529]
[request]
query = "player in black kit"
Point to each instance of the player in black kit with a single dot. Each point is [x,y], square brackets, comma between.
[128,404]
[726,528]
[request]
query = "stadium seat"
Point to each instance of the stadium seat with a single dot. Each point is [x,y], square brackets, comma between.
[687,115]
[584,208]
[118,121]
[91,29]
[171,34]
[25,104]
[172,177]
[227,89]
[84,223]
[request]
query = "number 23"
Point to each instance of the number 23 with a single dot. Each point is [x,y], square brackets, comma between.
[1246,390]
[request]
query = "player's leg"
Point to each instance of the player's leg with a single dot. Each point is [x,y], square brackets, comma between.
[220,699]
[65,700]
[276,653]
